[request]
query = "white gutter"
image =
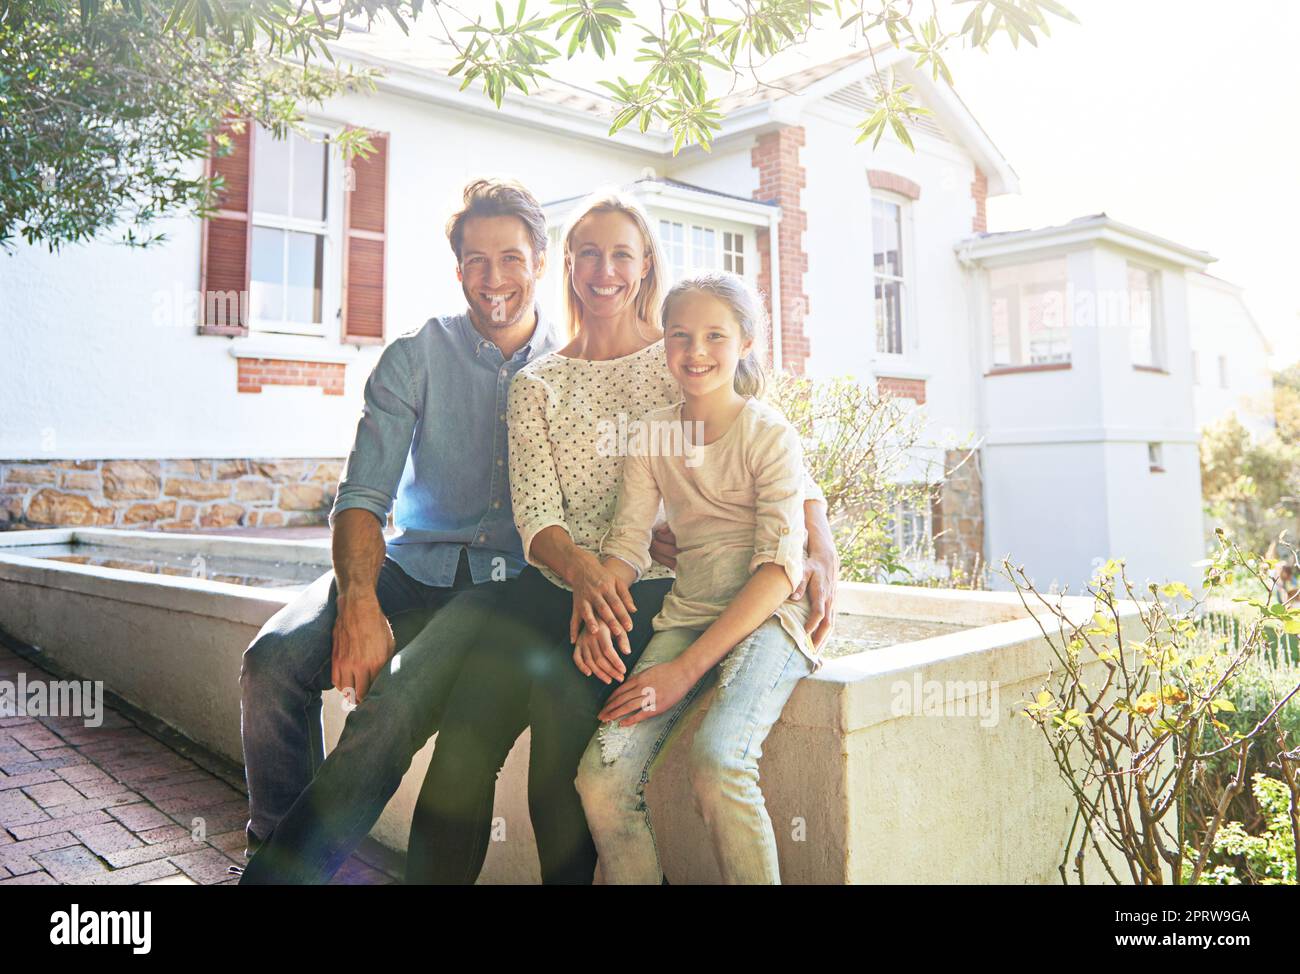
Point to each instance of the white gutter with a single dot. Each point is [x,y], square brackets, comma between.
[774,248]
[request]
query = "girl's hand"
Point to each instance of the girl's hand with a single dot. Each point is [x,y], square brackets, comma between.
[600,596]
[595,655]
[653,691]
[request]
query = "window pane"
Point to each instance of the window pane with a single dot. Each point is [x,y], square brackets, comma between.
[267,286]
[270,173]
[1030,314]
[309,162]
[704,254]
[886,238]
[1141,315]
[303,286]
[889,316]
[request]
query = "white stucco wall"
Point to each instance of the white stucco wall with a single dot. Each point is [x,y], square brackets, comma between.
[88,373]
[1221,325]
[1067,480]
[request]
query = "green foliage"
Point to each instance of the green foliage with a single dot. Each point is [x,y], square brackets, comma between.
[1139,714]
[1268,859]
[1249,485]
[857,445]
[106,106]
[105,118]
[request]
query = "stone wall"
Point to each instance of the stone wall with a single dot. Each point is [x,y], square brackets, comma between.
[166,495]
[957,516]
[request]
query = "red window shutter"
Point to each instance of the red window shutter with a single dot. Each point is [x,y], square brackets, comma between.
[364,243]
[227,239]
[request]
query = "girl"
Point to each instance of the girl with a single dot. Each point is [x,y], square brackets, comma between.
[731,482]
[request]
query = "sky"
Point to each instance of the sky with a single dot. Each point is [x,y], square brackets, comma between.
[1181,117]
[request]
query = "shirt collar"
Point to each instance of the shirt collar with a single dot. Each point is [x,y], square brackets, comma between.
[536,345]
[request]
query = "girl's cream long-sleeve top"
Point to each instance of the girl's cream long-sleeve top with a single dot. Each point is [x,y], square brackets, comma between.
[734,504]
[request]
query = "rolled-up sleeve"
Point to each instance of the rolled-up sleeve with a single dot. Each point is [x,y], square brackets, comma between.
[383,440]
[535,490]
[779,478]
[628,537]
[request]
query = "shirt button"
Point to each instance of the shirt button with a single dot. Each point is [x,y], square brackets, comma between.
[482,538]
[785,530]
[500,463]
[502,417]
[496,503]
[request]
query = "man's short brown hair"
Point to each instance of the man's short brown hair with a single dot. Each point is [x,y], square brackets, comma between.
[498,197]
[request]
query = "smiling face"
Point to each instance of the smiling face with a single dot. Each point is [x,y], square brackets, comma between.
[498,271]
[609,262]
[704,343]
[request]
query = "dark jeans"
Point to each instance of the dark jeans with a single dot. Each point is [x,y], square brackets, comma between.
[523,673]
[310,824]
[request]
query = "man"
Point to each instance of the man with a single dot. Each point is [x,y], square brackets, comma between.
[432,433]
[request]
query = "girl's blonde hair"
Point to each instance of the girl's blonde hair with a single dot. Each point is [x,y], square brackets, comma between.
[611,200]
[748,310]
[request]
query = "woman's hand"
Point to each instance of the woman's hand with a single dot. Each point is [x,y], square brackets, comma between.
[595,655]
[599,595]
[653,691]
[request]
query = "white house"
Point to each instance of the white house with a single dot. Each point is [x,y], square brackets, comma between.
[1230,357]
[134,394]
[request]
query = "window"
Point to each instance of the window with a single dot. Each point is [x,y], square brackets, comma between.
[911,526]
[887,262]
[692,247]
[1143,317]
[1223,371]
[1030,315]
[733,252]
[291,227]
[1155,457]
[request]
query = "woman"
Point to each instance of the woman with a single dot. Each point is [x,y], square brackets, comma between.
[564,483]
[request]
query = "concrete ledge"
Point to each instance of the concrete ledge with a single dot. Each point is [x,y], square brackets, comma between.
[861,786]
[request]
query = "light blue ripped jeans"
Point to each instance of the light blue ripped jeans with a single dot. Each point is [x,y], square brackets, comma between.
[754,682]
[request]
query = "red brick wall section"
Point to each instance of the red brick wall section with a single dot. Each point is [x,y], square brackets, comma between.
[257,372]
[892,182]
[979,191]
[775,156]
[902,388]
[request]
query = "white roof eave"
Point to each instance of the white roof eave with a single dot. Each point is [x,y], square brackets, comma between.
[1099,229]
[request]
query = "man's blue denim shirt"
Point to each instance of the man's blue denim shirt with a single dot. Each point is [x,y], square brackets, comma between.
[431,446]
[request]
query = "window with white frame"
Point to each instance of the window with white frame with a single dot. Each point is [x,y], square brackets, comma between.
[733,252]
[910,520]
[1030,314]
[292,222]
[691,247]
[1145,338]
[887,263]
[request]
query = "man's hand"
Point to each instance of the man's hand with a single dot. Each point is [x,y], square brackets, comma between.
[651,692]
[600,596]
[663,545]
[821,574]
[363,644]
[595,654]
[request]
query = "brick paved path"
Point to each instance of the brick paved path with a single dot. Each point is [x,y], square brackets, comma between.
[113,805]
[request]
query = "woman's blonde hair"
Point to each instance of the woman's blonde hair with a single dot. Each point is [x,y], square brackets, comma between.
[746,307]
[611,200]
